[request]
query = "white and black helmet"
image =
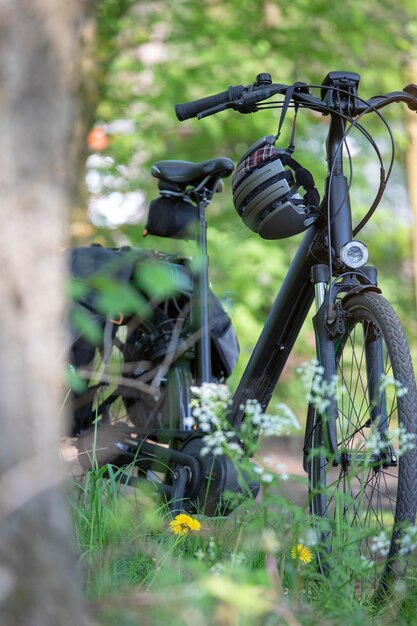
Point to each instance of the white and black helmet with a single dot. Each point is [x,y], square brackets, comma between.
[265,191]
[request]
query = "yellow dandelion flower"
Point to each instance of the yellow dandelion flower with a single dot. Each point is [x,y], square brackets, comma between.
[183,524]
[302,553]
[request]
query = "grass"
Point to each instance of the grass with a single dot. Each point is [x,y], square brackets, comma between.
[244,569]
[234,570]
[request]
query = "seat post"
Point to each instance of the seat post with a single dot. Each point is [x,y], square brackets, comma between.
[201,299]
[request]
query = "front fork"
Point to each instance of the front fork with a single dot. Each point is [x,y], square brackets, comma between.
[320,279]
[329,326]
[325,354]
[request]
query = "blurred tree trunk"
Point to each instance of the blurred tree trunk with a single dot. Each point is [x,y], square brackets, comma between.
[411,165]
[39,82]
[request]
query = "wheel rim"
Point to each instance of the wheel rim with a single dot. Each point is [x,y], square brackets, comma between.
[357,499]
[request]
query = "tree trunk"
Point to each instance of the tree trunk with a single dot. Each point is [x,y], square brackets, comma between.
[411,165]
[39,68]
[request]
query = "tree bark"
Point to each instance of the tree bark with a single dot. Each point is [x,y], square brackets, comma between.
[39,69]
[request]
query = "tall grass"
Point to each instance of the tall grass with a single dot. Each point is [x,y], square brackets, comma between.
[256,566]
[235,570]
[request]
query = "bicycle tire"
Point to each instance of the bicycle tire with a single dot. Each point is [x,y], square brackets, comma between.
[361,497]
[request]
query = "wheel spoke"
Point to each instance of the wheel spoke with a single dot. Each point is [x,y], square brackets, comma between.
[362,494]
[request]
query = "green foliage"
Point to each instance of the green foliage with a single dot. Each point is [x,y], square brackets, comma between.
[114,297]
[83,322]
[159,280]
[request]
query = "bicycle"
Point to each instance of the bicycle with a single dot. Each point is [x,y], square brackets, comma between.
[359,339]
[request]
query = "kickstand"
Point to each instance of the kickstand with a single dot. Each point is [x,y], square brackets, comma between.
[179,484]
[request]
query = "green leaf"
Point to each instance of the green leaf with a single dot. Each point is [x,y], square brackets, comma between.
[84,322]
[73,380]
[114,298]
[76,289]
[161,280]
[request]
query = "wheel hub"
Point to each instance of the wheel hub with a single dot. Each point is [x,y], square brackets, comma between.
[218,479]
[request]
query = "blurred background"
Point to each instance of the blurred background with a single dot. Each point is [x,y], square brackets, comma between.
[148,56]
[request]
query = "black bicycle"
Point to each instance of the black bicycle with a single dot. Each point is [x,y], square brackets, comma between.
[362,418]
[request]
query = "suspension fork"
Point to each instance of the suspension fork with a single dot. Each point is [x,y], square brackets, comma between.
[326,343]
[374,359]
[325,352]
[375,369]
[320,286]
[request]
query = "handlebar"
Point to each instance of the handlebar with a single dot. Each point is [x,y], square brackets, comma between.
[194,108]
[245,99]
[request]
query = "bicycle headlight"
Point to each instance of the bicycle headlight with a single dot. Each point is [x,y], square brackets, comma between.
[354,254]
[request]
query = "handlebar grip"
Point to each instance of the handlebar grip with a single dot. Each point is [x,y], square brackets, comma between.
[191,109]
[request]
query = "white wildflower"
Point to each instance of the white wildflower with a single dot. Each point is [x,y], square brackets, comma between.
[400,589]
[387,381]
[210,408]
[211,548]
[375,443]
[407,441]
[265,476]
[308,370]
[282,471]
[281,423]
[319,391]
[408,542]
[365,562]
[238,558]
[199,554]
[188,422]
[380,544]
[398,440]
[217,569]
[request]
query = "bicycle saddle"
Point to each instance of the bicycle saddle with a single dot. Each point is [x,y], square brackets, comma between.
[188,173]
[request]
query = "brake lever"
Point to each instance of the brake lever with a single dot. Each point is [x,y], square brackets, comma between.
[245,104]
[214,110]
[254,94]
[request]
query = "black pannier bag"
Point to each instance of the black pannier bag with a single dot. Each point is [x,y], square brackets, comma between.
[147,340]
[86,265]
[171,216]
[224,343]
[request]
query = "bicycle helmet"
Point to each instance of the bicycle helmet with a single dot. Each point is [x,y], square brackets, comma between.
[265,191]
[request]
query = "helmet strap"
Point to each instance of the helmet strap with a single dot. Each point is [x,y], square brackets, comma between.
[303,178]
[291,147]
[285,105]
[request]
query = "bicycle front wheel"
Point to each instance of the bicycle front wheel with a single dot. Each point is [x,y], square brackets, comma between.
[364,498]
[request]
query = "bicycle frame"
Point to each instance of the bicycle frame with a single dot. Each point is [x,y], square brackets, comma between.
[306,280]
[280,332]
[297,293]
